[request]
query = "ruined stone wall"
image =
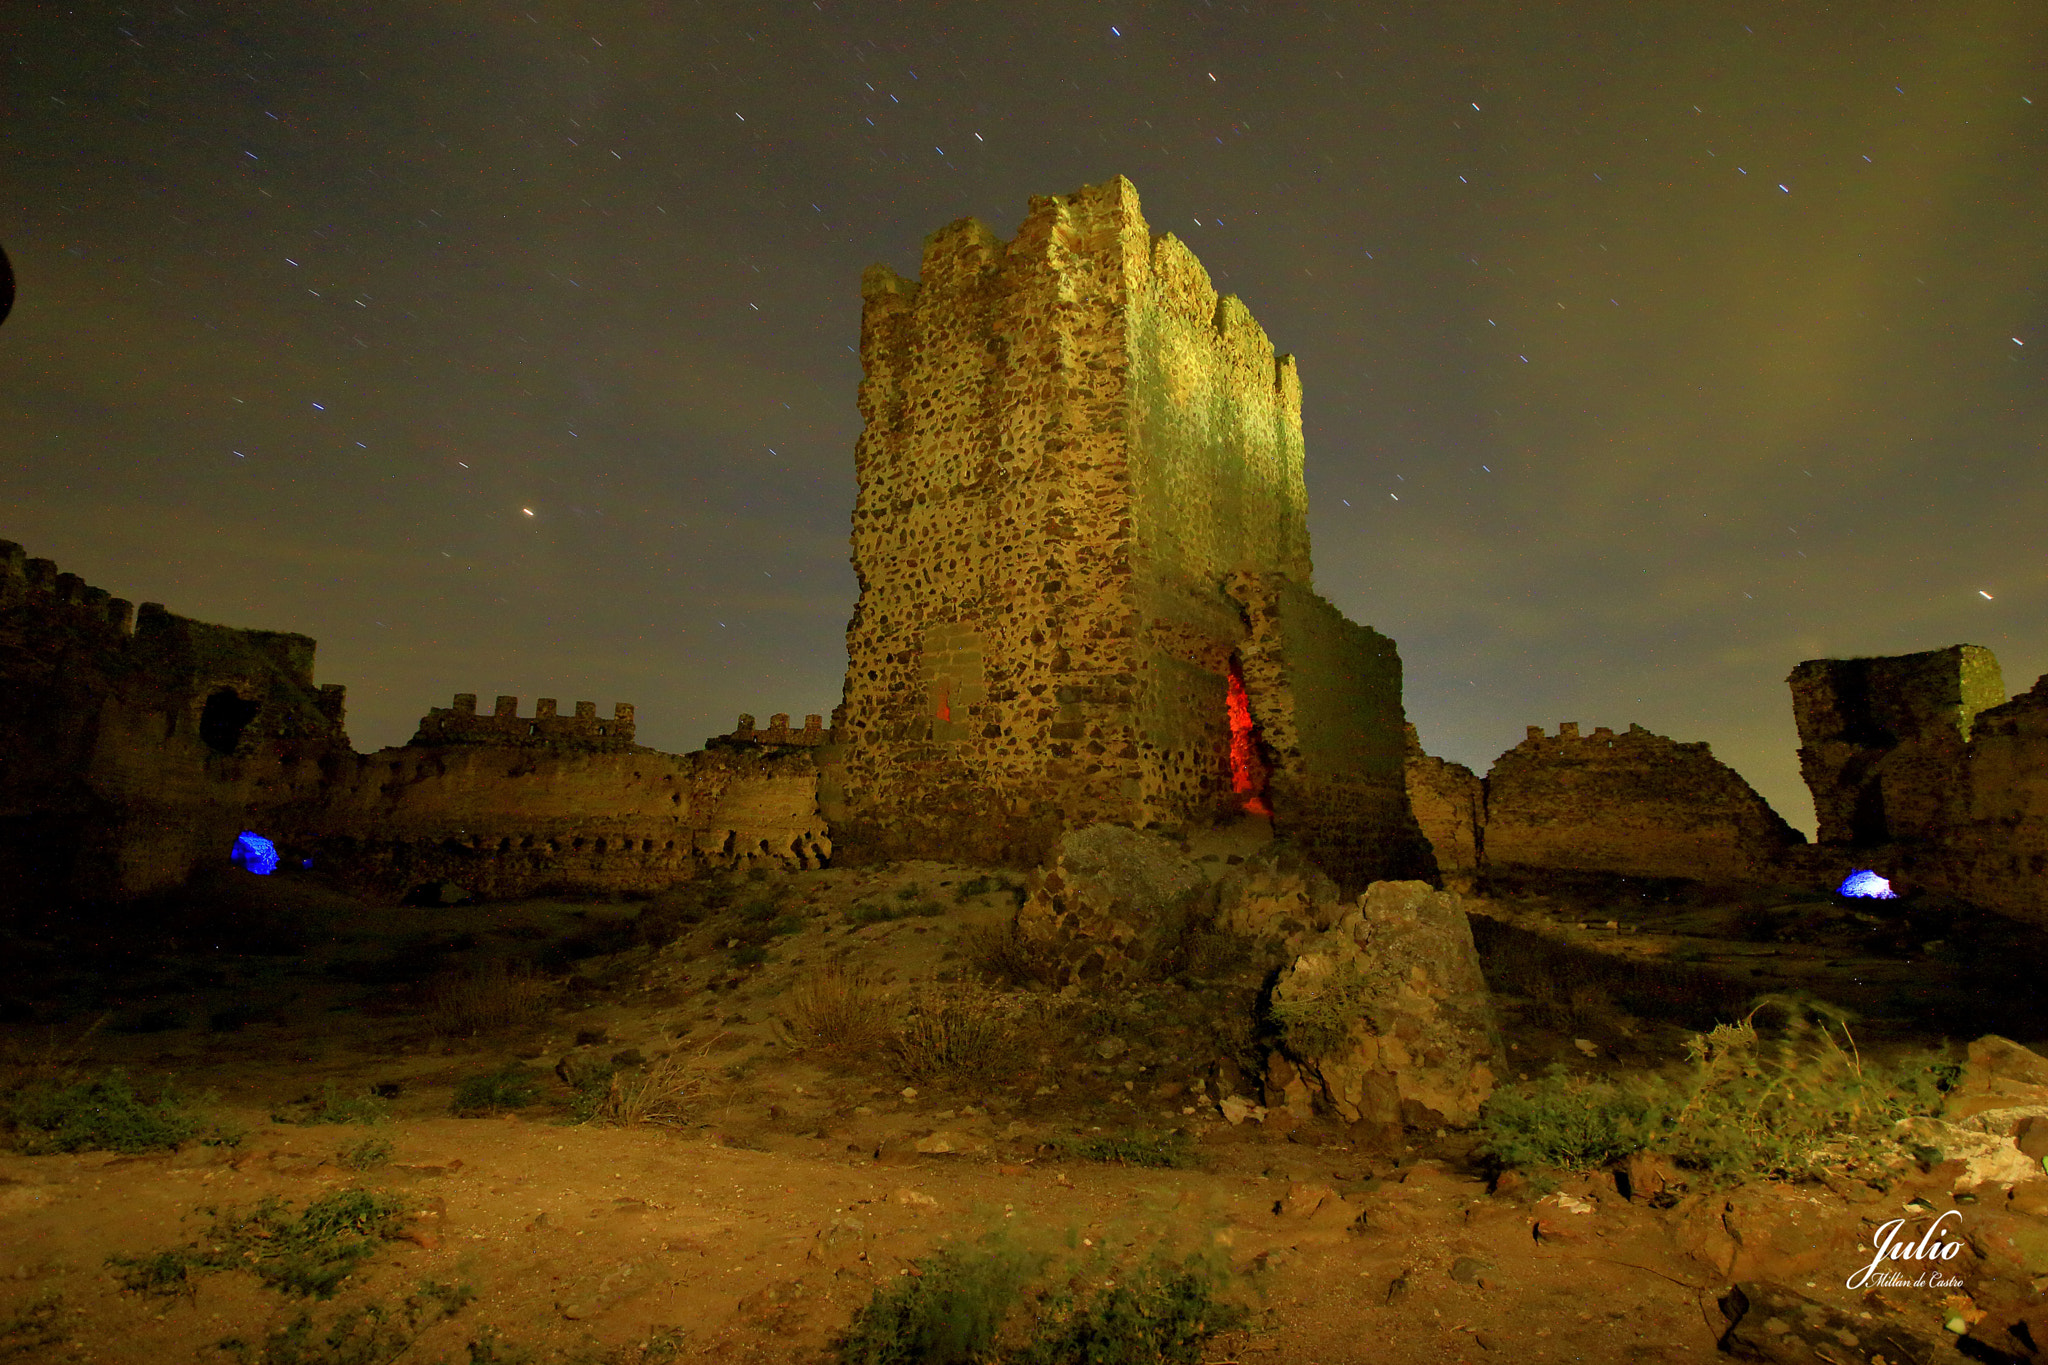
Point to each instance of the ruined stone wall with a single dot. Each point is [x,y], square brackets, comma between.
[1326,697]
[1070,441]
[1635,804]
[546,728]
[1449,802]
[134,746]
[779,734]
[508,822]
[1997,855]
[1883,741]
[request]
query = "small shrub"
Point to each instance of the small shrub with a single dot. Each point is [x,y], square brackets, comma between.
[98,1114]
[1171,1151]
[837,1013]
[745,955]
[1163,1316]
[870,912]
[1568,1122]
[492,996]
[366,1155]
[1004,954]
[332,1106]
[309,1255]
[1320,1025]
[511,1086]
[909,893]
[954,1030]
[947,1312]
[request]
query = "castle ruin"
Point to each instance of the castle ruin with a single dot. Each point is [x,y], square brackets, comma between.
[1082,548]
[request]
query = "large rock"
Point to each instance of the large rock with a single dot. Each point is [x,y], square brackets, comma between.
[1277,893]
[1108,899]
[1387,1017]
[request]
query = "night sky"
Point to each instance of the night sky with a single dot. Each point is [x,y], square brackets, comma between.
[1647,349]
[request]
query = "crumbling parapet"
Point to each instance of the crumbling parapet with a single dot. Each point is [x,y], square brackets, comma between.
[1883,741]
[779,734]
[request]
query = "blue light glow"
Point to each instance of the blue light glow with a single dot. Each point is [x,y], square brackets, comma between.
[254,852]
[1868,886]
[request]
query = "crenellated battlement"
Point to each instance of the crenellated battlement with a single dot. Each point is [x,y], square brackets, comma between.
[460,723]
[37,585]
[1604,737]
[777,734]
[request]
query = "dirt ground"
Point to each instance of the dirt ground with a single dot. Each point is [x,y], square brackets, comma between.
[752,1224]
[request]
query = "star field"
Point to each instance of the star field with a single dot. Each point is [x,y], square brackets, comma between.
[509,347]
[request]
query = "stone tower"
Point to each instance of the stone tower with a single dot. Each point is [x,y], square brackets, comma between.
[1082,547]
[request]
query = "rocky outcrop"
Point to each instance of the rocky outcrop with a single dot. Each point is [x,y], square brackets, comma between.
[1109,897]
[1385,1018]
[1635,804]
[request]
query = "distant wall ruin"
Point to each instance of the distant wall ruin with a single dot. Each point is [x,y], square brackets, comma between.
[1920,767]
[135,744]
[1071,444]
[1634,803]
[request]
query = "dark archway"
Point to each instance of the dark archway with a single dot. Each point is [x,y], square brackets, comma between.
[225,717]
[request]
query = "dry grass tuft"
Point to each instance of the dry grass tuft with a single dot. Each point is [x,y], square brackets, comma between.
[666,1094]
[492,995]
[837,1012]
[955,1030]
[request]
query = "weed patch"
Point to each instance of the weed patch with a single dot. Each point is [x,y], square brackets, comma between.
[374,1334]
[1169,1151]
[882,912]
[1319,1025]
[32,1329]
[664,1094]
[1004,954]
[103,1113]
[976,1307]
[511,1086]
[332,1106]
[366,1155]
[1799,1105]
[308,1255]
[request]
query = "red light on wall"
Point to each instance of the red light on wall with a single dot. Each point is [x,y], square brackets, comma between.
[1247,770]
[942,702]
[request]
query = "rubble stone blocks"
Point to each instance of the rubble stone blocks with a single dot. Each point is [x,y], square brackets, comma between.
[1070,444]
[1635,804]
[1406,1022]
[1105,898]
[1882,740]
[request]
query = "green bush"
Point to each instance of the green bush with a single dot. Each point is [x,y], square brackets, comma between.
[974,1305]
[98,1114]
[511,1086]
[309,1255]
[1162,1151]
[1801,1104]
[331,1106]
[366,1155]
[1320,1025]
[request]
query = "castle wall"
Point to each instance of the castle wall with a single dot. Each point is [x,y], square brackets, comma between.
[1449,802]
[1070,441]
[1634,804]
[1883,741]
[1325,694]
[514,820]
[460,724]
[1998,853]
[134,746]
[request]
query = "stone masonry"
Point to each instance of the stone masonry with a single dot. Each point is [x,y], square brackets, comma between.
[1080,501]
[1882,741]
[1634,804]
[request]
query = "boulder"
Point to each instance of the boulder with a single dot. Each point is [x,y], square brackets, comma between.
[1277,893]
[1109,901]
[1386,1016]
